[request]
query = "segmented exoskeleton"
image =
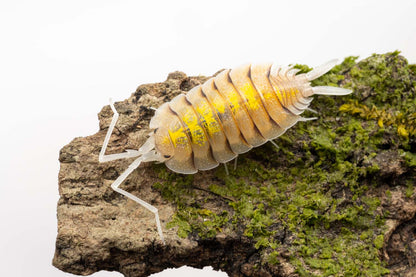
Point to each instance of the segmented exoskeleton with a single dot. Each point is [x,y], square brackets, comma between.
[228,115]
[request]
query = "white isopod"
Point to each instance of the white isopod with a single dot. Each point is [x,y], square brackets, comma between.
[228,115]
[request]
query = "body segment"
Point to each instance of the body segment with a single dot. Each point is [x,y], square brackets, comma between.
[253,102]
[260,78]
[197,136]
[236,103]
[181,159]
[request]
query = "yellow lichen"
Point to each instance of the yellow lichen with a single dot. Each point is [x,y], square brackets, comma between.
[405,124]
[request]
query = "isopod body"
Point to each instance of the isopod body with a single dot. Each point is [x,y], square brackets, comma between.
[227,115]
[231,113]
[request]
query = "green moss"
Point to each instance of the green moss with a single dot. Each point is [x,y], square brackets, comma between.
[410,158]
[386,85]
[314,189]
[272,258]
[410,189]
[378,241]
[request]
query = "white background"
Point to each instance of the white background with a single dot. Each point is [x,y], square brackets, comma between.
[60,61]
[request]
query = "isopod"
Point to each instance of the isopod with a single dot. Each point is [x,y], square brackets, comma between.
[227,115]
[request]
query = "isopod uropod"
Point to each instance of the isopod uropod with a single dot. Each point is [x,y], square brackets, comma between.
[227,115]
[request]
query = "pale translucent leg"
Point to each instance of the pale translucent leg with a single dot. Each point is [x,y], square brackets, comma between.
[311,110]
[226,169]
[274,143]
[106,158]
[235,163]
[121,178]
[146,151]
[307,118]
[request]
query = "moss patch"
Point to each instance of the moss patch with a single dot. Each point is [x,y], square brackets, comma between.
[311,197]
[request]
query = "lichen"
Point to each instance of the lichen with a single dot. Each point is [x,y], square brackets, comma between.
[310,198]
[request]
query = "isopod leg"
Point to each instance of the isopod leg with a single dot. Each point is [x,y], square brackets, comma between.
[235,163]
[121,178]
[226,169]
[311,110]
[106,158]
[303,119]
[274,143]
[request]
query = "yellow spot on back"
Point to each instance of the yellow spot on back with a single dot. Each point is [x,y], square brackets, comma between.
[178,137]
[267,95]
[210,123]
[278,92]
[219,104]
[234,100]
[293,92]
[197,133]
[251,95]
[165,140]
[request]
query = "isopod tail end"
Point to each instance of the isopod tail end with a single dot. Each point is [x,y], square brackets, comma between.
[320,70]
[327,90]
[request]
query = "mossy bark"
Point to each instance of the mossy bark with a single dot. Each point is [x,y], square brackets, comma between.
[336,198]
